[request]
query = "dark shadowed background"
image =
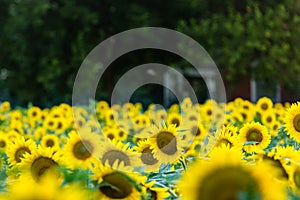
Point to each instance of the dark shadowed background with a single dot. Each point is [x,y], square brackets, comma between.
[255,44]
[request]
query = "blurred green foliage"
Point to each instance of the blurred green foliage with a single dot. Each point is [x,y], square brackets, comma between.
[261,41]
[43,42]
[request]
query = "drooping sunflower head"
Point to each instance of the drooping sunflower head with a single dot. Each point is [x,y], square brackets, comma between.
[156,193]
[277,165]
[115,153]
[292,121]
[114,184]
[146,156]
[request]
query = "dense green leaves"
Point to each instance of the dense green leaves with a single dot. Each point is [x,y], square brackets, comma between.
[261,42]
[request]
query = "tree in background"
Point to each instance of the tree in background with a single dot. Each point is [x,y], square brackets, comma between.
[44,42]
[261,41]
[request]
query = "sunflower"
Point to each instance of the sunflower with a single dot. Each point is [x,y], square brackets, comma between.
[81,150]
[27,188]
[268,118]
[102,105]
[34,113]
[161,115]
[5,106]
[156,193]
[141,121]
[254,136]
[274,128]
[44,114]
[174,118]
[278,164]
[56,112]
[166,143]
[17,126]
[174,108]
[94,125]
[113,184]
[50,123]
[62,125]
[294,177]
[263,105]
[12,135]
[17,149]
[206,111]
[50,140]
[227,136]
[48,187]
[225,176]
[192,116]
[186,105]
[110,133]
[288,154]
[41,162]
[121,134]
[292,121]
[39,132]
[116,107]
[130,109]
[234,117]
[248,115]
[16,115]
[115,153]
[194,130]
[247,105]
[79,122]
[146,156]
[110,116]
[193,149]
[4,141]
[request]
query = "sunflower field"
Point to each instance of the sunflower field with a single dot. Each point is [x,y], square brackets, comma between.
[211,151]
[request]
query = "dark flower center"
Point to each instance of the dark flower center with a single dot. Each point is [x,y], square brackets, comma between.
[254,135]
[166,142]
[296,122]
[42,165]
[81,150]
[147,157]
[118,186]
[114,155]
[20,153]
[226,183]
